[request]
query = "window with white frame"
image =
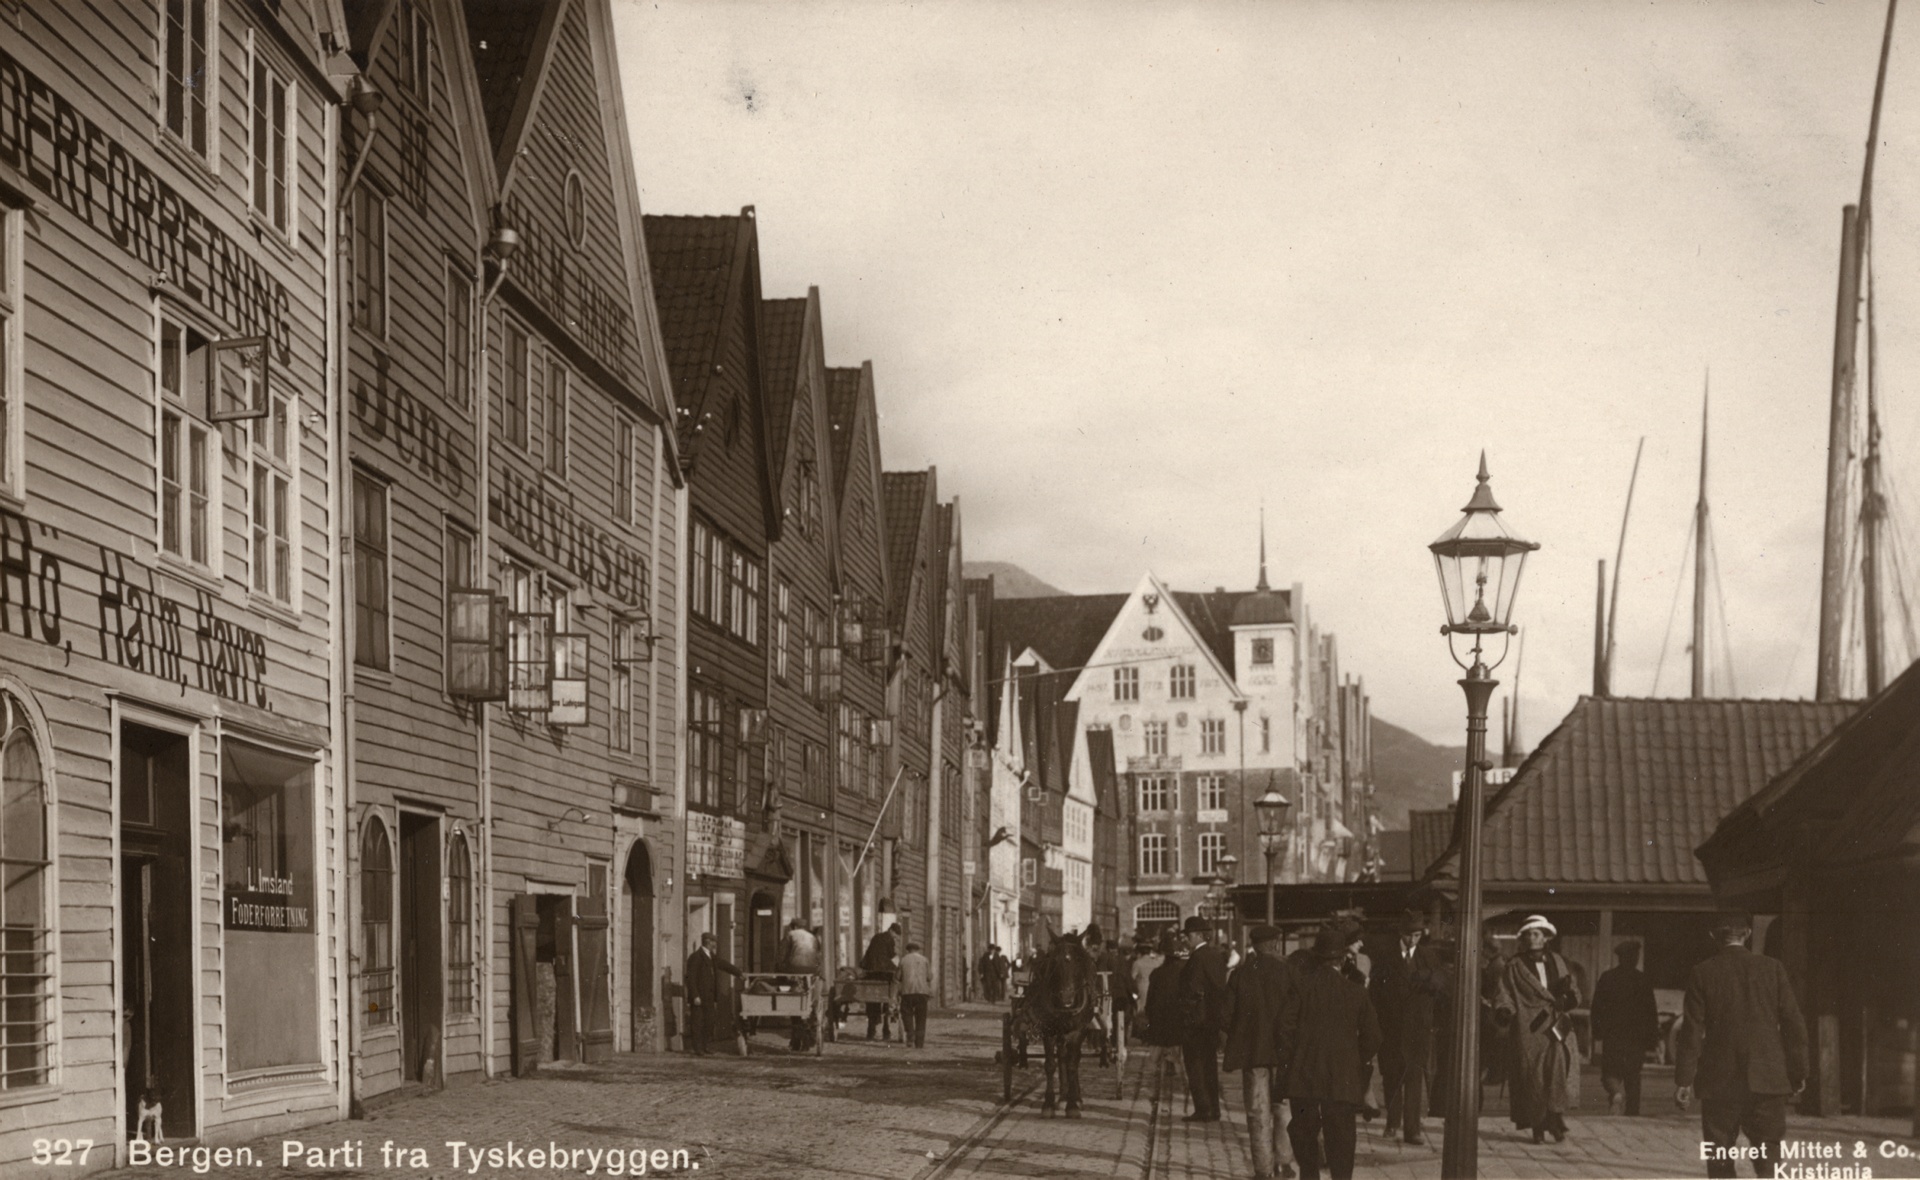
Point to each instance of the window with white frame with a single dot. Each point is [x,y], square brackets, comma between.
[459,571]
[1155,858]
[1213,846]
[459,927]
[1213,735]
[367,260]
[273,146]
[559,387]
[26,905]
[1180,685]
[620,685]
[1158,793]
[372,555]
[624,509]
[697,565]
[416,52]
[12,370]
[1126,684]
[457,336]
[1029,871]
[1213,792]
[782,630]
[376,925]
[188,58]
[189,448]
[703,748]
[529,640]
[514,378]
[809,648]
[272,505]
[1155,734]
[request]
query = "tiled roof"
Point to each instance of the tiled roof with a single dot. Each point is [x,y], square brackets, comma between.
[781,323]
[903,496]
[1428,835]
[843,402]
[1394,855]
[1625,789]
[502,37]
[1066,628]
[692,260]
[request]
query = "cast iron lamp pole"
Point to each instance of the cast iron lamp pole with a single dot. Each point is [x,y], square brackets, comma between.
[1479,562]
[1272,810]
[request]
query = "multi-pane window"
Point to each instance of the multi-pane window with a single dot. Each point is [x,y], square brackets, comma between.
[1180,685]
[809,649]
[845,736]
[376,925]
[371,555]
[809,496]
[623,467]
[1213,735]
[460,570]
[1266,735]
[1213,846]
[782,629]
[275,444]
[697,563]
[558,387]
[1157,793]
[620,685]
[736,589]
[367,259]
[1263,651]
[271,145]
[1155,733]
[187,57]
[703,748]
[749,629]
[1029,871]
[1213,792]
[12,375]
[514,379]
[416,51]
[529,640]
[717,579]
[1154,858]
[189,452]
[26,922]
[458,336]
[459,928]
[1126,684]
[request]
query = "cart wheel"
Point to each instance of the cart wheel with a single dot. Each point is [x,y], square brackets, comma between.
[1006,1058]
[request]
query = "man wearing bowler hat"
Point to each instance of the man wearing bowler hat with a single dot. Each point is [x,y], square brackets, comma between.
[1409,983]
[1203,990]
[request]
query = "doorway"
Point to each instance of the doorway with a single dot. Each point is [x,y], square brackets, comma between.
[420,967]
[543,996]
[156,930]
[763,938]
[639,889]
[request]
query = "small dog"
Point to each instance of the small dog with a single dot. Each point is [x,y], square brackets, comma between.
[147,1119]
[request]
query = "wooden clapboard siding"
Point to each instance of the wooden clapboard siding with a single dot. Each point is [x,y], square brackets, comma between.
[862,565]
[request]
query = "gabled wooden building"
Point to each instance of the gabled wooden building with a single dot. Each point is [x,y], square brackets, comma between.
[952,724]
[910,503]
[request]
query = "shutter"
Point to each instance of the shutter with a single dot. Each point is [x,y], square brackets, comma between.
[566,1011]
[568,703]
[497,667]
[596,1008]
[524,920]
[530,687]
[476,645]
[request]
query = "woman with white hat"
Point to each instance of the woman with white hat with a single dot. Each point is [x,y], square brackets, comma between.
[1536,992]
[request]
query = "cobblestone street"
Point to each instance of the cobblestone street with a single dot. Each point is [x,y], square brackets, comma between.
[881,1110]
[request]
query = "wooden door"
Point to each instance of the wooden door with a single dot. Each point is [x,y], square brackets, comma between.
[556,911]
[596,999]
[523,912]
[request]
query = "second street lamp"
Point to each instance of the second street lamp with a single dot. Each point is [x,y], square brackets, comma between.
[1479,562]
[1272,809]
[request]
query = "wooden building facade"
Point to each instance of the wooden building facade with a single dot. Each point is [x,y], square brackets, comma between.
[173,816]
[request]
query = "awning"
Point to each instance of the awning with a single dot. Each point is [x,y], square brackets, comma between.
[1340,831]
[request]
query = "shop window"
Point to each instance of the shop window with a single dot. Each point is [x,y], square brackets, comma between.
[267,865]
[12,371]
[515,378]
[459,927]
[376,925]
[188,56]
[273,505]
[272,146]
[371,591]
[367,258]
[26,921]
[458,336]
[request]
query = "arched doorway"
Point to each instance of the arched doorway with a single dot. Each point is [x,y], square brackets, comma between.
[643,1018]
[1153,917]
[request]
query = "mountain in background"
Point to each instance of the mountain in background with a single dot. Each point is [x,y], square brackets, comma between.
[1009,580]
[1410,773]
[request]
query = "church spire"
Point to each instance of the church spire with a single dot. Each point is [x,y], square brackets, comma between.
[1262,583]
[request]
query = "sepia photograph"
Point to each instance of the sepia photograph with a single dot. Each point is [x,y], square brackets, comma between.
[926,589]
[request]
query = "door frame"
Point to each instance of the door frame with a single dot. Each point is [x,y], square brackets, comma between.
[121,713]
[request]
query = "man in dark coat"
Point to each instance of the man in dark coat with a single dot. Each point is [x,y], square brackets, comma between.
[1408,986]
[1328,1032]
[703,993]
[1626,1022]
[882,961]
[1165,1027]
[1744,1045]
[1256,993]
[1203,988]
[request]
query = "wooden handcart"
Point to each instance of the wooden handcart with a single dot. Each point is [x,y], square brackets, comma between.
[855,991]
[795,998]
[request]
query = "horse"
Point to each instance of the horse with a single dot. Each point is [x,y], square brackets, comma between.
[1061,1002]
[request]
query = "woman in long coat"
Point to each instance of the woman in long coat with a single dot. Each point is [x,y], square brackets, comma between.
[1535,992]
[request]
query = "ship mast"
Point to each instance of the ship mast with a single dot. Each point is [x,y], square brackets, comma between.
[1700,560]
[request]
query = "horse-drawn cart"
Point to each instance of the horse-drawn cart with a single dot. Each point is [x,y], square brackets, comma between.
[795,998]
[1026,1021]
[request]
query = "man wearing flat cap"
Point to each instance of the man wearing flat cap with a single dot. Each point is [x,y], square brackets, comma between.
[1532,1003]
[1256,993]
[1409,985]
[1744,1045]
[1203,988]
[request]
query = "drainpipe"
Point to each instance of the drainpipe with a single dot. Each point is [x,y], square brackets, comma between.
[339,667]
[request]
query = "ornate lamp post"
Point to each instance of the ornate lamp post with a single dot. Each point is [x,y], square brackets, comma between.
[1479,562]
[1272,808]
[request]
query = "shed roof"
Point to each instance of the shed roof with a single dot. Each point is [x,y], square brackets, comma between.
[1625,789]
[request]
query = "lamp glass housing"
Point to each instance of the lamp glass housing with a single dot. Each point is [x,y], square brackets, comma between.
[1272,808]
[1479,561]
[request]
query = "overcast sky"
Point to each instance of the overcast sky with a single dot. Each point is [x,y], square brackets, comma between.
[1125,270]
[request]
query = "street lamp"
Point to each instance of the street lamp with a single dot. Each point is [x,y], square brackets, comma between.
[1479,562]
[1272,809]
[1222,891]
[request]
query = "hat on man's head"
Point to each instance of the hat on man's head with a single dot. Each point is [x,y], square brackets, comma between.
[1196,925]
[1263,933]
[1092,933]
[1169,943]
[1413,922]
[1334,939]
[1732,922]
[1539,922]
